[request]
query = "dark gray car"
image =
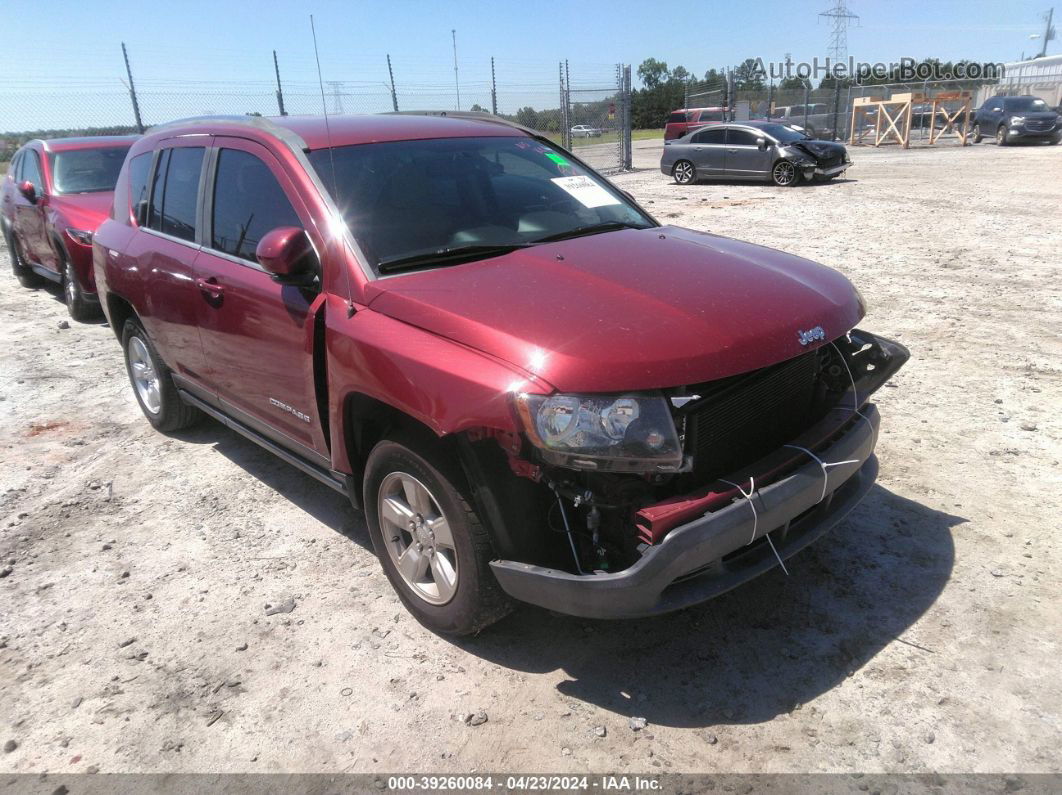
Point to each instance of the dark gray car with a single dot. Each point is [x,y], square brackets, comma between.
[753,150]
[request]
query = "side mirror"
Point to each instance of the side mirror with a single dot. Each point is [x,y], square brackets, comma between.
[28,191]
[283,253]
[762,144]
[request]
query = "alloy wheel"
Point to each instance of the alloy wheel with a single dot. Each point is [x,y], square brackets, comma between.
[683,172]
[145,377]
[418,538]
[785,173]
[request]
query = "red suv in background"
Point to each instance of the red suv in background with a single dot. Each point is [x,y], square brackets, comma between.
[536,392]
[682,121]
[56,193]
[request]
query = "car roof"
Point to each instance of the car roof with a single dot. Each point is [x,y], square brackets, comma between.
[317,132]
[84,142]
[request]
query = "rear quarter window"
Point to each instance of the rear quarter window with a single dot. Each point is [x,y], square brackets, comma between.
[676,118]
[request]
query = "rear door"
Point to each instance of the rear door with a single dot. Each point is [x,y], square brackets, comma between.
[744,158]
[29,217]
[258,334]
[709,151]
[163,253]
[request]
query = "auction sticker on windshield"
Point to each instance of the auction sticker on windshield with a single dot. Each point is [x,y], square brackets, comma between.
[585,191]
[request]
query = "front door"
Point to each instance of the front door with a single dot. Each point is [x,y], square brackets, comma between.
[709,151]
[29,216]
[744,158]
[258,335]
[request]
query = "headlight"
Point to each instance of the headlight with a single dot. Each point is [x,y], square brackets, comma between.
[602,432]
[1017,119]
[80,236]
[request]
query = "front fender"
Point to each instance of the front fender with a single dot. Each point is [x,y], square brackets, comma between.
[444,385]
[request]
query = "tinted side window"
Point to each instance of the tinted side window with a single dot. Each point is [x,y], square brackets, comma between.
[178,181]
[248,203]
[31,168]
[713,136]
[676,118]
[13,169]
[740,138]
[139,167]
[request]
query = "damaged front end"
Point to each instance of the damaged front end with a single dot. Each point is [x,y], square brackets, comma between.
[656,501]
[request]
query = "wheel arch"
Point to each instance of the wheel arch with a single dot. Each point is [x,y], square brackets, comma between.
[119,310]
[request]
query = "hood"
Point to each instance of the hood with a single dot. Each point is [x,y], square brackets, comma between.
[819,149]
[82,210]
[628,310]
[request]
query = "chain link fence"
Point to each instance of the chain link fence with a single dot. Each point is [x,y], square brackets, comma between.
[827,112]
[583,107]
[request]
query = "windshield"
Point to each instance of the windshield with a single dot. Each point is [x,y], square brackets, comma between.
[87,170]
[402,198]
[782,133]
[1025,104]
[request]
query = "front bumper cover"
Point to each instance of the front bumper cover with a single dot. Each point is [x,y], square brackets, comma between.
[717,552]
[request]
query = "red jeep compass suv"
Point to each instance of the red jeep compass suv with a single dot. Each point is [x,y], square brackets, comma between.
[54,196]
[535,391]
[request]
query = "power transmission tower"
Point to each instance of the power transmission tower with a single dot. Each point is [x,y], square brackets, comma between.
[337,95]
[840,17]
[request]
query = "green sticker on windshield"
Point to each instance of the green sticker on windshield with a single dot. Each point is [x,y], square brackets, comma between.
[560,161]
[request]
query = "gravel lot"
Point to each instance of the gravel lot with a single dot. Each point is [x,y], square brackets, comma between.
[923,634]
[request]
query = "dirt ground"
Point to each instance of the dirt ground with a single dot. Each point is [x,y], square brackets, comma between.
[922,634]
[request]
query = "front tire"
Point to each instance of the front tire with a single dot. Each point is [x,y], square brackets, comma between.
[152,383]
[785,174]
[1001,134]
[430,542]
[684,172]
[80,308]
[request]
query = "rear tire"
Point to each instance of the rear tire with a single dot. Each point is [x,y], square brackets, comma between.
[80,308]
[684,172]
[152,383]
[430,542]
[977,137]
[25,275]
[785,174]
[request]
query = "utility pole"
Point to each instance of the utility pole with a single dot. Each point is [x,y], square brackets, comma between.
[1049,33]
[132,91]
[457,82]
[280,92]
[391,74]
[493,89]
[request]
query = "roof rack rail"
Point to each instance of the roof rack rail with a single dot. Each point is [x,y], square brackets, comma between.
[259,122]
[478,115]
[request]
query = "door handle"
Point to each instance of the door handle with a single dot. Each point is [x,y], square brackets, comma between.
[210,286]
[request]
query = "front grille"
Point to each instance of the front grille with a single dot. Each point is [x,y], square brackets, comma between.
[741,419]
[830,162]
[1039,125]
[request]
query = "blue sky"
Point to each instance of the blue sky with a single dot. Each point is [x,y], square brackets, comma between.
[178,48]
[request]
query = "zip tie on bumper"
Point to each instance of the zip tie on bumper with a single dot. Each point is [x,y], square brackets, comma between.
[756,517]
[823,465]
[748,496]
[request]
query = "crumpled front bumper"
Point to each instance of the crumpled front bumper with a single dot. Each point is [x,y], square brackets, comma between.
[719,551]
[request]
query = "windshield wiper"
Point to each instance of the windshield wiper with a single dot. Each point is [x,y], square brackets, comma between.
[590,229]
[451,255]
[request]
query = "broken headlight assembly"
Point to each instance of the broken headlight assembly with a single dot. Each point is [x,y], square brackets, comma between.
[624,433]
